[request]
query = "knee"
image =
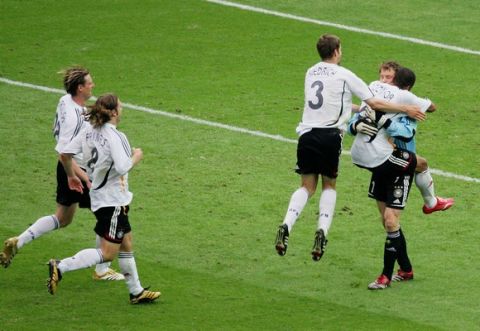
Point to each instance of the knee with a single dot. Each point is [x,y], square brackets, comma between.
[391,222]
[310,190]
[390,225]
[422,164]
[64,221]
[108,256]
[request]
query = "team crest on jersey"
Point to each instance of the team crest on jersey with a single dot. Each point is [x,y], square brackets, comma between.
[405,155]
[397,193]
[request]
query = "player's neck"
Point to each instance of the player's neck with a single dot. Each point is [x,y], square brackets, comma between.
[332,60]
[79,100]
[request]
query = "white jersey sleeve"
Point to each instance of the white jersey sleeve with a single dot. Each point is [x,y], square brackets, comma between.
[75,146]
[411,99]
[121,152]
[69,122]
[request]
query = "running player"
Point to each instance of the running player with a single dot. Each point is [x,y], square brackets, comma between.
[69,121]
[108,158]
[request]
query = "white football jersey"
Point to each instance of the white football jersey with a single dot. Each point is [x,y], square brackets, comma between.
[108,158]
[328,96]
[373,153]
[69,122]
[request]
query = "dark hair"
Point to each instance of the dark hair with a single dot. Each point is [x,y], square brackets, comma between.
[326,45]
[73,77]
[389,65]
[404,78]
[101,112]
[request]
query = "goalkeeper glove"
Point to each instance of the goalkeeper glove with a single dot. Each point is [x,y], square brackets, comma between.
[382,120]
[365,126]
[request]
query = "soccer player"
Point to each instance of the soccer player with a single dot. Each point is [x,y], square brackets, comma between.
[108,158]
[69,121]
[423,177]
[327,108]
[392,169]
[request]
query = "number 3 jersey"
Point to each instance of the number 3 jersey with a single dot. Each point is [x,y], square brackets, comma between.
[108,158]
[328,96]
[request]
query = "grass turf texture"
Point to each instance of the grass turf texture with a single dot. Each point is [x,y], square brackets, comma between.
[207,201]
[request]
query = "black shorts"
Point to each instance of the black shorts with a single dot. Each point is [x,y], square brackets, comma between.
[112,223]
[318,152]
[67,197]
[391,181]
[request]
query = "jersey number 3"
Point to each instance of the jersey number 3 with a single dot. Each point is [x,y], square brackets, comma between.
[318,93]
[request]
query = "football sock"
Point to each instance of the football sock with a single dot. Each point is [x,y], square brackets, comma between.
[424,182]
[297,203]
[101,268]
[327,208]
[128,267]
[390,253]
[41,226]
[83,259]
[402,257]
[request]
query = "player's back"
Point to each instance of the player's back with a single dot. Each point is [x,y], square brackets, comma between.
[108,156]
[328,96]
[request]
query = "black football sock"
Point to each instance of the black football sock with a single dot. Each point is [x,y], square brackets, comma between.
[390,253]
[402,257]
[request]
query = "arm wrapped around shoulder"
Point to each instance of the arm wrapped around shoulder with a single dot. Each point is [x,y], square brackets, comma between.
[366,126]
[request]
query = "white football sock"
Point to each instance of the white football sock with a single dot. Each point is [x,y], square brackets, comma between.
[40,227]
[128,267]
[297,203]
[101,268]
[84,259]
[328,199]
[424,182]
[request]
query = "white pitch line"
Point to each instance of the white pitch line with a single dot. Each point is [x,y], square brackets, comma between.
[215,124]
[345,27]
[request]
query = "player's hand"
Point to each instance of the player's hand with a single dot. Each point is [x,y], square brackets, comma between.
[137,155]
[369,112]
[415,112]
[75,184]
[366,126]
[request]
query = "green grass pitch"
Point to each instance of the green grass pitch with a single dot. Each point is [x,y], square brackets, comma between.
[207,200]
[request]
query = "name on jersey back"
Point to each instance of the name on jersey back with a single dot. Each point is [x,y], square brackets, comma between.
[96,137]
[324,71]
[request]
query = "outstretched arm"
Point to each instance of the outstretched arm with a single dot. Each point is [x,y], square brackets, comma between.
[411,110]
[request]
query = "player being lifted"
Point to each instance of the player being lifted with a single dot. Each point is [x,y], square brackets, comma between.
[69,122]
[423,177]
[327,108]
